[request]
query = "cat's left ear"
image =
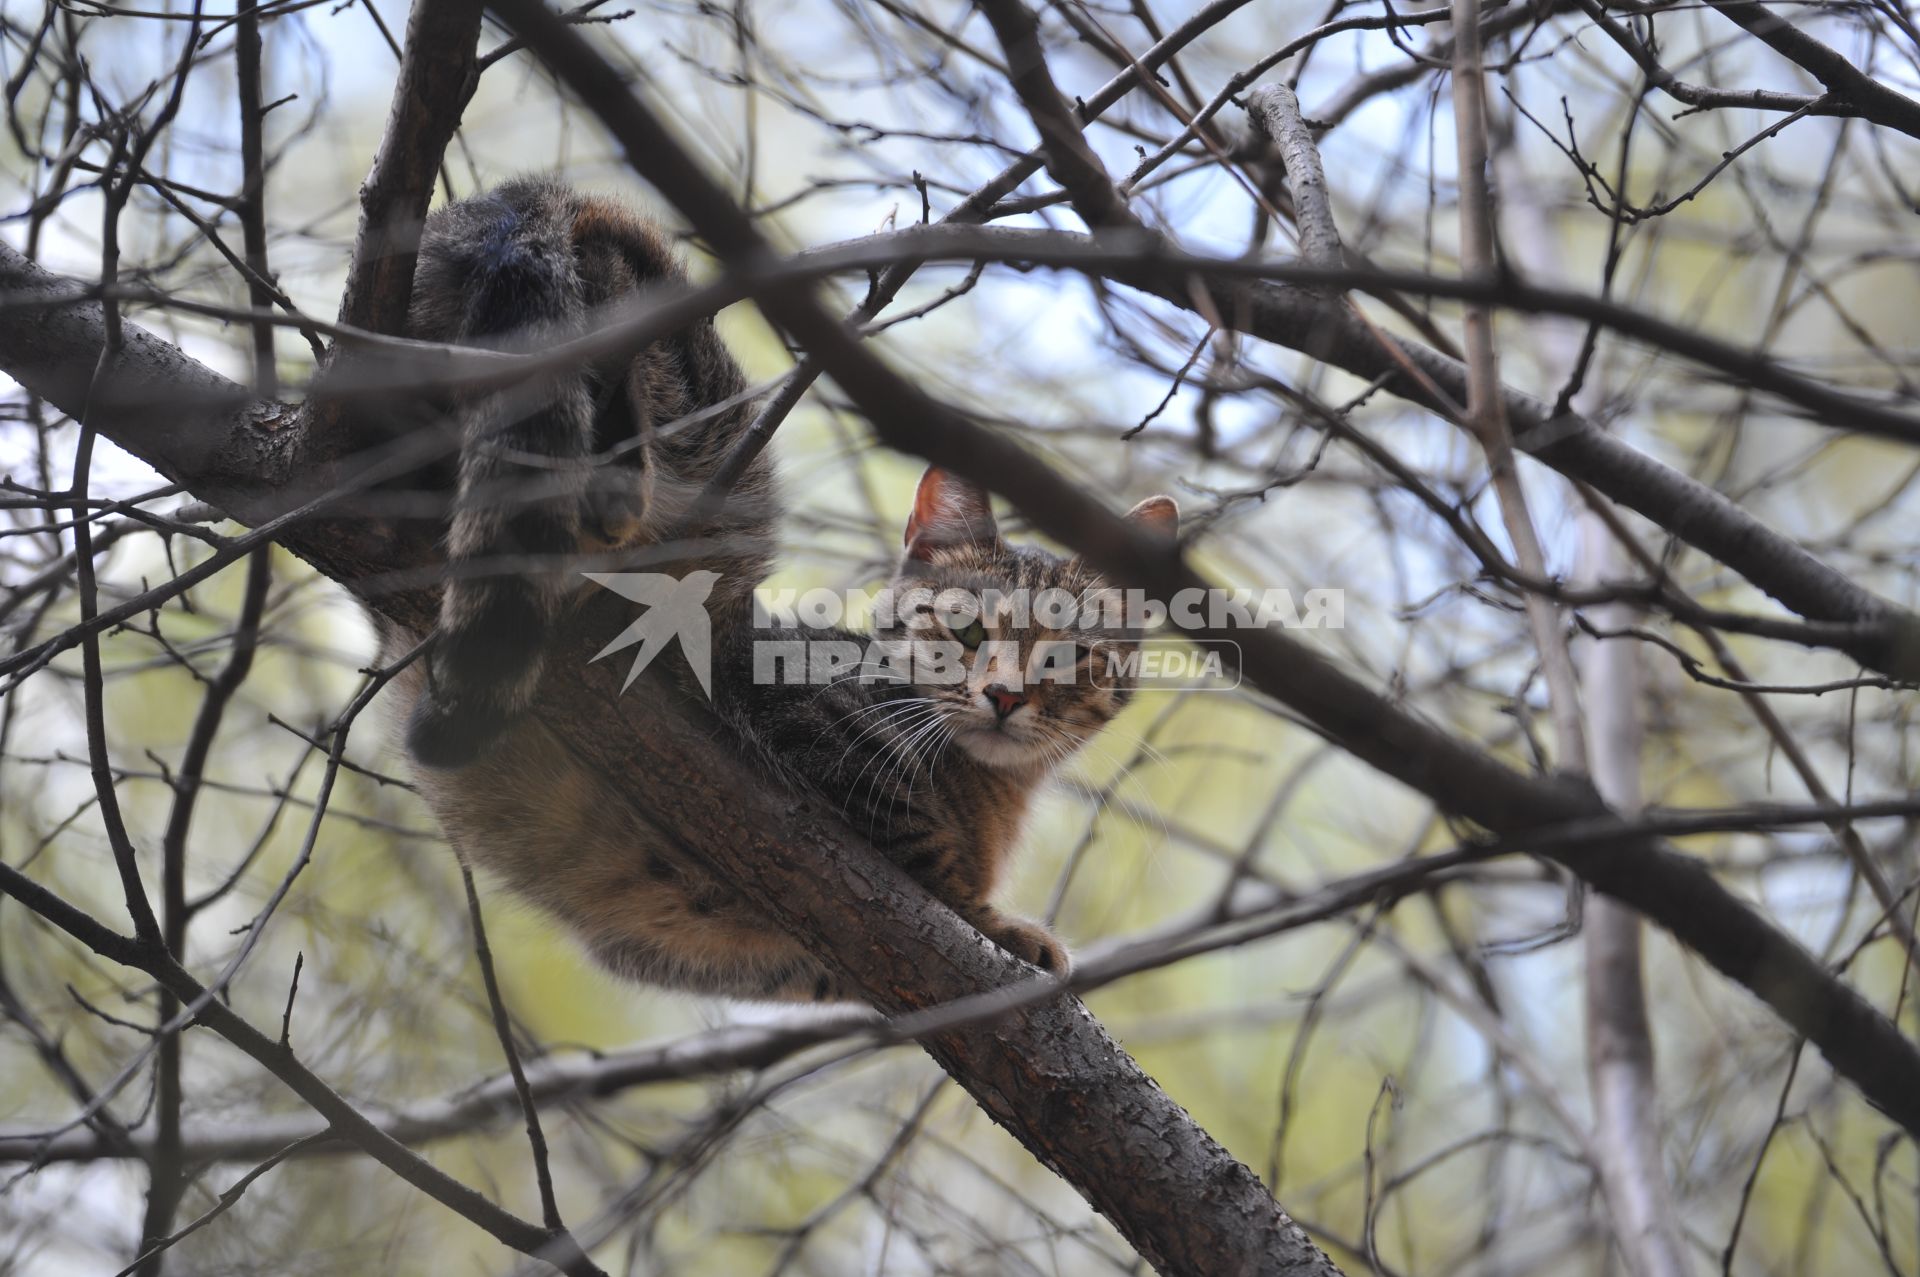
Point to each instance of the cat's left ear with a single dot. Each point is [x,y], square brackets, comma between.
[1158,515]
[948,511]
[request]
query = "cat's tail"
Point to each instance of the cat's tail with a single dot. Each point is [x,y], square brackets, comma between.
[489,267]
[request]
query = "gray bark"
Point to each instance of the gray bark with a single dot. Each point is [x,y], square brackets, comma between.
[1626,1095]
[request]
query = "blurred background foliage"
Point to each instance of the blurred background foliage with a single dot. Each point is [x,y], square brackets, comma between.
[1411,1081]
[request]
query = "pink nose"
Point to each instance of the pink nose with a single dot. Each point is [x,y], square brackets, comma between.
[1005,701]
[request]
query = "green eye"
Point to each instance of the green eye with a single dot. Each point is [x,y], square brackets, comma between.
[972,634]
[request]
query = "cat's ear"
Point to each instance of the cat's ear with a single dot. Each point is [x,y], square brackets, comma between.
[948,511]
[1158,515]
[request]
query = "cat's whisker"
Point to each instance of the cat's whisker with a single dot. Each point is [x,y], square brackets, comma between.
[898,759]
[1140,743]
[880,708]
[893,753]
[905,714]
[911,762]
[950,732]
[895,749]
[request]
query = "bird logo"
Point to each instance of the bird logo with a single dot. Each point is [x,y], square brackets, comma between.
[676,608]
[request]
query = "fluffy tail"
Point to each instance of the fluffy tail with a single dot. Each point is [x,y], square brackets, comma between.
[492,266]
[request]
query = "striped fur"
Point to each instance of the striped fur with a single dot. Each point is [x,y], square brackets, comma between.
[582,459]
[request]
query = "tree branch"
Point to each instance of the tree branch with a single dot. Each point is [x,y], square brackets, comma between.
[551,1081]
[1275,111]
[1070,161]
[1626,1095]
[1873,100]
[1048,1072]
[343,1118]
[436,77]
[1674,890]
[1873,630]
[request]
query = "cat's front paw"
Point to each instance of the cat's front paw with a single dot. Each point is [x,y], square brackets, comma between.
[1030,942]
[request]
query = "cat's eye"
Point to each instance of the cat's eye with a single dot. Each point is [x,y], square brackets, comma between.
[972,634]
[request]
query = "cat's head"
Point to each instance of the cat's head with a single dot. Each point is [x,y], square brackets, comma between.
[1044,647]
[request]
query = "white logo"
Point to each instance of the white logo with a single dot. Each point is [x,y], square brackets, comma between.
[676,607]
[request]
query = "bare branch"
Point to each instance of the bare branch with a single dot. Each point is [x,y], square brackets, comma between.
[436,79]
[1276,111]
[1626,1099]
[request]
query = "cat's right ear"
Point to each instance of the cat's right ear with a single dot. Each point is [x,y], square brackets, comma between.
[1159,515]
[948,511]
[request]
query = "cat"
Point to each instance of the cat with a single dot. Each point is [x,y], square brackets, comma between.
[939,774]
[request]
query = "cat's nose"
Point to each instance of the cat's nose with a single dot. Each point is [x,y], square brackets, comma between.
[1005,700]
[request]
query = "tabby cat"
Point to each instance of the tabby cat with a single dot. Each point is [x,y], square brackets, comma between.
[939,775]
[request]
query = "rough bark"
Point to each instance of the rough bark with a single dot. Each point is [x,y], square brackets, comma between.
[1275,111]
